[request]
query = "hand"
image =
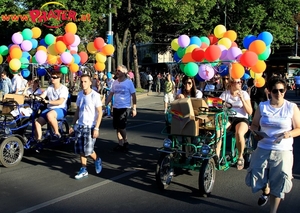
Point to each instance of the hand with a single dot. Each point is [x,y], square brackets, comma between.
[95,133]
[240,94]
[71,130]
[133,113]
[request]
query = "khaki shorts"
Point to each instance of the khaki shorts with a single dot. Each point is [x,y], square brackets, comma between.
[168,97]
[273,167]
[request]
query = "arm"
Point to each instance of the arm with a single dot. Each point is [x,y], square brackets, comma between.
[133,95]
[109,98]
[255,120]
[57,102]
[75,118]
[296,124]
[246,103]
[98,122]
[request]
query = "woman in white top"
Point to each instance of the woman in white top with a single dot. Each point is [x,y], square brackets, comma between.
[32,87]
[271,163]
[239,123]
[188,89]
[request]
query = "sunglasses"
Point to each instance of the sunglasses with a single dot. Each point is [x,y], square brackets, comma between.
[188,82]
[275,91]
[119,70]
[236,82]
[54,77]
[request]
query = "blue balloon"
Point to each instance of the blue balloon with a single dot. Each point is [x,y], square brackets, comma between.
[43,43]
[248,40]
[266,37]
[223,70]
[41,71]
[76,58]
[25,73]
[176,57]
[195,40]
[34,43]
[199,78]
[26,55]
[246,76]
[109,75]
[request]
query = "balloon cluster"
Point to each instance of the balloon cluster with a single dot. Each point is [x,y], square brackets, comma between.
[58,51]
[203,57]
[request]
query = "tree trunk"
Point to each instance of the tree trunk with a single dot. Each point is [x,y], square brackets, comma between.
[128,54]
[136,66]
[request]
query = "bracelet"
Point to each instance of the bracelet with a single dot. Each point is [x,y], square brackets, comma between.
[96,129]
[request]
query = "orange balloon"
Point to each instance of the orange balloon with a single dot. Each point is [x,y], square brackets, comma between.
[83,57]
[15,53]
[59,60]
[259,82]
[74,67]
[71,28]
[41,48]
[259,67]
[231,35]
[237,71]
[187,58]
[69,38]
[13,46]
[257,46]
[108,49]
[60,47]
[99,66]
[51,59]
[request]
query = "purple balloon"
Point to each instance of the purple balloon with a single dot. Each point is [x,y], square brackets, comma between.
[233,53]
[183,41]
[223,51]
[206,72]
[17,38]
[41,56]
[26,45]
[66,57]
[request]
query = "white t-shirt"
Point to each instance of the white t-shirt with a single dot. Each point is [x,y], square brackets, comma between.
[198,93]
[53,95]
[88,105]
[36,92]
[122,93]
[16,82]
[149,77]
[237,104]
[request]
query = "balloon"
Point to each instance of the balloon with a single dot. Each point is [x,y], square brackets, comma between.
[225,42]
[41,71]
[265,55]
[83,57]
[69,38]
[206,72]
[91,48]
[181,66]
[17,38]
[205,40]
[219,31]
[259,82]
[176,57]
[100,57]
[248,58]
[66,57]
[26,45]
[41,56]
[34,43]
[43,43]
[59,38]
[16,53]
[194,40]
[76,42]
[183,41]
[99,66]
[234,44]
[180,52]
[248,40]
[257,46]
[3,50]
[232,35]
[213,39]
[174,44]
[49,39]
[259,67]
[233,53]
[246,76]
[52,50]
[64,70]
[99,43]
[15,64]
[42,48]
[27,34]
[36,32]
[187,58]
[223,52]
[237,71]
[1,59]
[108,49]
[212,53]
[198,78]
[223,70]
[76,58]
[198,54]
[190,48]
[60,47]
[265,37]
[24,62]
[255,75]
[25,73]
[51,59]
[71,28]
[191,69]
[74,67]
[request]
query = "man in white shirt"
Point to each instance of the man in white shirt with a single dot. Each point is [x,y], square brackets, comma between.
[16,82]
[150,82]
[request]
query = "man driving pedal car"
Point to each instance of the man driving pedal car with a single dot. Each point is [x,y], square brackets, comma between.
[56,106]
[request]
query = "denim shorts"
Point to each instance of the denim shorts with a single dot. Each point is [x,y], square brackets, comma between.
[61,113]
[85,142]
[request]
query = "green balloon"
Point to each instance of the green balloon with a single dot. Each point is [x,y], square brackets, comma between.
[3,50]
[181,66]
[191,69]
[265,55]
[64,70]
[34,60]
[205,40]
[24,62]
[49,39]
[27,34]
[180,52]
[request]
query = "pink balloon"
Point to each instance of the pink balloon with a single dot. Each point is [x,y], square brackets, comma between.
[223,51]
[26,45]
[66,57]
[17,38]
[233,53]
[41,56]
[206,72]
[183,41]
[76,42]
[73,48]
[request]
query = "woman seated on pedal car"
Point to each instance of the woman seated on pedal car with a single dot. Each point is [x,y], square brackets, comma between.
[239,123]
[188,89]
[32,87]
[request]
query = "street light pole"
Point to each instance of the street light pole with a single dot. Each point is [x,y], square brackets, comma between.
[109,38]
[296,51]
[225,14]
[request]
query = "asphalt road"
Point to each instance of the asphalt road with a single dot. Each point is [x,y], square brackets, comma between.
[45,182]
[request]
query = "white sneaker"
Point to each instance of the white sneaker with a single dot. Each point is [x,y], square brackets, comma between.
[82,173]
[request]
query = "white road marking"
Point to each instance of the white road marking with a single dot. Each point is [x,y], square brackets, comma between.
[67,196]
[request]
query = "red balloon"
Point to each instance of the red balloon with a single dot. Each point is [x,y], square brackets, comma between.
[213,39]
[98,43]
[83,57]
[212,53]
[198,54]
[59,38]
[248,58]
[69,38]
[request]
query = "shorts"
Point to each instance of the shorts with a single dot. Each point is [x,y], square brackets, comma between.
[168,97]
[120,118]
[85,142]
[235,120]
[61,113]
[273,167]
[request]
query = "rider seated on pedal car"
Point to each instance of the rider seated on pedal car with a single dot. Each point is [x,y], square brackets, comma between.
[57,95]
[238,122]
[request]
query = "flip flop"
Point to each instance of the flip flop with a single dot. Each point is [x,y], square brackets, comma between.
[240,164]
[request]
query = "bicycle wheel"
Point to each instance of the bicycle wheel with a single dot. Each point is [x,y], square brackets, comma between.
[11,151]
[207,176]
[63,128]
[164,172]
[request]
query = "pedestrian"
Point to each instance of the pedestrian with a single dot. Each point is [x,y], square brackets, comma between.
[188,89]
[88,117]
[169,89]
[271,163]
[123,91]
[158,83]
[17,84]
[5,83]
[150,82]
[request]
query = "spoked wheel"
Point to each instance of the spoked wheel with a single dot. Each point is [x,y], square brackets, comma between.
[164,172]
[207,176]
[11,151]
[64,128]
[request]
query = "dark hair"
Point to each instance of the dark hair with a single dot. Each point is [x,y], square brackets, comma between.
[276,80]
[57,73]
[193,89]
[86,75]
[4,72]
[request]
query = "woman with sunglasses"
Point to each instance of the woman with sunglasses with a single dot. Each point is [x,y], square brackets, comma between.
[239,123]
[188,89]
[271,163]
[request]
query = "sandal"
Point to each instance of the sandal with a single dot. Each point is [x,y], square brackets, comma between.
[240,164]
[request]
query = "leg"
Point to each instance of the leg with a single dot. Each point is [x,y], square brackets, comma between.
[83,160]
[274,203]
[38,127]
[52,119]
[240,131]
[120,137]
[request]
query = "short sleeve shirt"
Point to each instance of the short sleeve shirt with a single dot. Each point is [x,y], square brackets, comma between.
[55,94]
[122,93]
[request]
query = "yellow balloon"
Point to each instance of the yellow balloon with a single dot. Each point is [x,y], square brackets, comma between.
[225,42]
[42,48]
[1,59]
[91,48]
[100,57]
[51,49]
[219,31]
[15,64]
[174,44]
[255,75]
[36,32]
[51,59]
[190,48]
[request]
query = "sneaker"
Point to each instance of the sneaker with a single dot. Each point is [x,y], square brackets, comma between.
[82,173]
[263,199]
[98,165]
